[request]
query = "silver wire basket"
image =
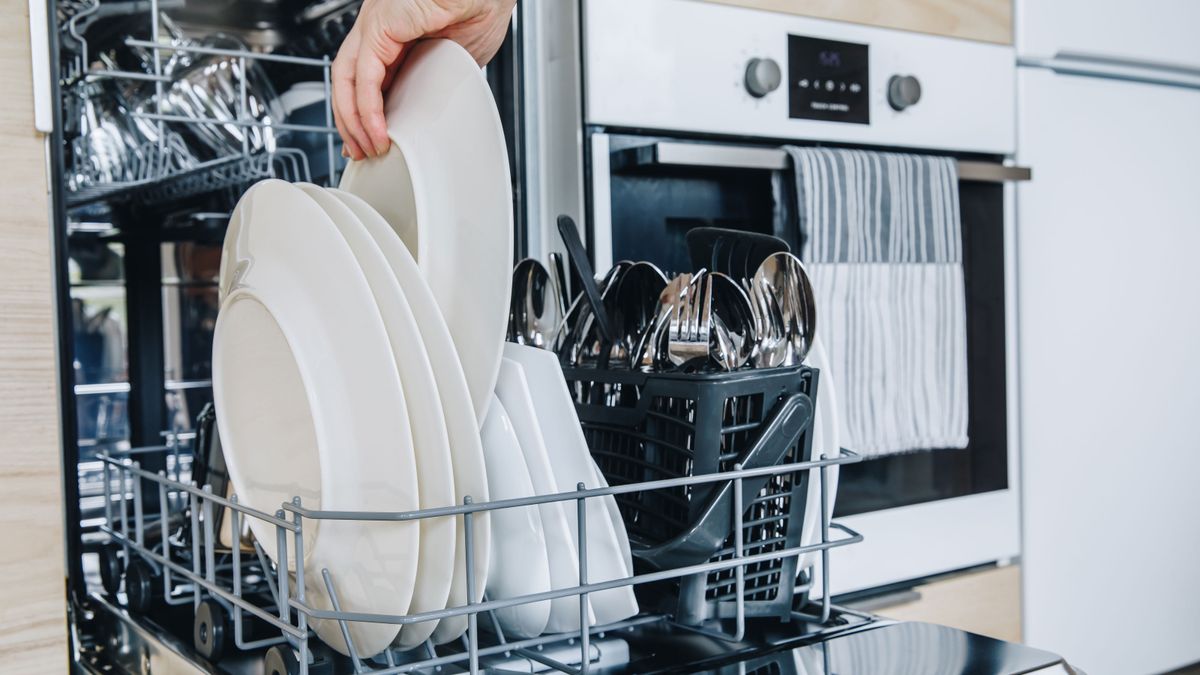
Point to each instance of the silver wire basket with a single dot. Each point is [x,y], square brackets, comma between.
[165,551]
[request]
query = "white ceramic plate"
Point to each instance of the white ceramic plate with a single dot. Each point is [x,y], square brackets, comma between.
[572,463]
[513,392]
[444,187]
[435,481]
[462,427]
[826,439]
[519,565]
[306,387]
[614,515]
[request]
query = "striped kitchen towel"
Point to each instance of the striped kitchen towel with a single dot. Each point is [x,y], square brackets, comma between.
[883,247]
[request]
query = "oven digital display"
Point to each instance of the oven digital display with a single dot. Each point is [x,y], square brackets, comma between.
[828,80]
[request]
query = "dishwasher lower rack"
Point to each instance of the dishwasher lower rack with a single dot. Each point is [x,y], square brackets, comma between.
[166,559]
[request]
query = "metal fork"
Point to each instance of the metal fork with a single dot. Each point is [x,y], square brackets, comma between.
[691,324]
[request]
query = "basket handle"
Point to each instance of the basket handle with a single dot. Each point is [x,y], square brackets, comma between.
[708,532]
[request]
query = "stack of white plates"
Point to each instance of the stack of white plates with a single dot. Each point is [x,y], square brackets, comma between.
[358,349]
[359,339]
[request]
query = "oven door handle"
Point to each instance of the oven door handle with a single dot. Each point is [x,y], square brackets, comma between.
[725,156]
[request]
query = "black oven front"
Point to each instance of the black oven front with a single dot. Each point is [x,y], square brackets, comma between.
[659,187]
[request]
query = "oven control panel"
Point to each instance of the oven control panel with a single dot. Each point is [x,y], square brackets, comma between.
[828,80]
[681,66]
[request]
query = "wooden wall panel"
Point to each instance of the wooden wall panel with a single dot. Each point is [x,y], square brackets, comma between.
[985,20]
[986,602]
[33,635]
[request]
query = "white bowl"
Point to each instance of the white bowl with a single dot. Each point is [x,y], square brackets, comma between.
[444,187]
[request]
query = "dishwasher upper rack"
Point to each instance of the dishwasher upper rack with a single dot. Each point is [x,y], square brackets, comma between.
[159,170]
[194,569]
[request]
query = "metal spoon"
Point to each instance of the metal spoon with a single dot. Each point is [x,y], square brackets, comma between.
[788,316]
[733,322]
[633,306]
[533,310]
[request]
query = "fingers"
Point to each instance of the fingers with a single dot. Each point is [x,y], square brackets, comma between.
[371,76]
[481,35]
[345,106]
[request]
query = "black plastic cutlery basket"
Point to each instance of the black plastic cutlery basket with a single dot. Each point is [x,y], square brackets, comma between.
[653,426]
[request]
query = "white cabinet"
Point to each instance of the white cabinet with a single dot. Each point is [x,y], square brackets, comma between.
[1152,30]
[1109,325]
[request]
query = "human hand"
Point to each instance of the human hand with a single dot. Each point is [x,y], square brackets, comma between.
[376,46]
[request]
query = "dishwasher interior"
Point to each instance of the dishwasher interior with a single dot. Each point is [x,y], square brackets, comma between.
[168,110]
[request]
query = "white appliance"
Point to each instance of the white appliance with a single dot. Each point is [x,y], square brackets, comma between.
[675,89]
[1109,113]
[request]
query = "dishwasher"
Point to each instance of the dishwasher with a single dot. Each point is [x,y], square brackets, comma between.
[169,109]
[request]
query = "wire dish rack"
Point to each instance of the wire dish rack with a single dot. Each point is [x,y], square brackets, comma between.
[166,549]
[164,168]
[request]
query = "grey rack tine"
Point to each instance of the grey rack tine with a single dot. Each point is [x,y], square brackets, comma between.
[198,581]
[345,628]
[738,561]
[852,537]
[125,513]
[138,522]
[298,634]
[210,563]
[826,602]
[266,568]
[193,490]
[301,618]
[251,123]
[164,533]
[584,602]
[220,51]
[846,457]
[155,18]
[528,643]
[281,569]
[194,510]
[242,102]
[469,563]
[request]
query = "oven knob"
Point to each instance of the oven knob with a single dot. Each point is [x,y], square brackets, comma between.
[762,77]
[903,91]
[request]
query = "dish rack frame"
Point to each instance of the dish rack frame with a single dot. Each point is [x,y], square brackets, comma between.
[163,173]
[195,569]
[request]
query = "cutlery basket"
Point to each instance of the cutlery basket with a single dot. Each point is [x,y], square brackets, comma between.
[653,426]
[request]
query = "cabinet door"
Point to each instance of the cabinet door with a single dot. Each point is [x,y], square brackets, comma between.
[1153,30]
[33,635]
[1108,233]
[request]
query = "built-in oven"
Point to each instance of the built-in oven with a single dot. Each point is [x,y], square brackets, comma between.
[684,111]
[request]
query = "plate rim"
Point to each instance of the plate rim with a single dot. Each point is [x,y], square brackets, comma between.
[260,201]
[426,419]
[466,448]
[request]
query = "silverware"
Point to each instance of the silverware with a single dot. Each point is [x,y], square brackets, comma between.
[583,267]
[209,88]
[534,316]
[690,326]
[649,352]
[108,145]
[585,339]
[559,277]
[787,322]
[733,322]
[633,307]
